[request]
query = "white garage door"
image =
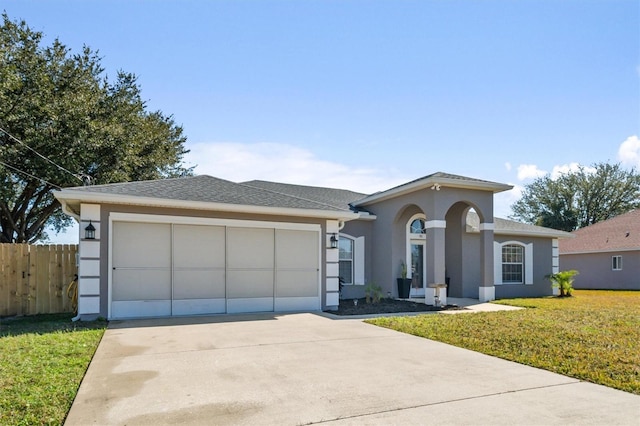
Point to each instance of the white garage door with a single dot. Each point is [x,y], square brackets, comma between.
[183,269]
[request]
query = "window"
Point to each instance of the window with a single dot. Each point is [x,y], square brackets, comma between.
[345,257]
[417,227]
[616,263]
[512,264]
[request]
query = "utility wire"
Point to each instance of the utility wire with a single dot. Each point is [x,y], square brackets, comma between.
[40,155]
[29,174]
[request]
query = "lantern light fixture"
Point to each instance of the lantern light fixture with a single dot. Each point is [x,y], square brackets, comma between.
[90,232]
[334,241]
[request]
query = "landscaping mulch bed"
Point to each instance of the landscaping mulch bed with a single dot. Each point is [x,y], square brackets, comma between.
[386,306]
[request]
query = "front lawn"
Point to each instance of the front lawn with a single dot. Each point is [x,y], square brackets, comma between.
[42,361]
[593,336]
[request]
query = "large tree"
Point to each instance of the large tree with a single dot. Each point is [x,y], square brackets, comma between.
[579,198]
[64,122]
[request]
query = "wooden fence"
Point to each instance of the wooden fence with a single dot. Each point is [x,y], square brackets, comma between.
[34,278]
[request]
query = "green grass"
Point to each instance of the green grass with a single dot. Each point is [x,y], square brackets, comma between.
[42,361]
[593,336]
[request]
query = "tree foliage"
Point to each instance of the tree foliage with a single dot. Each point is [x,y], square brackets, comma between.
[579,198]
[63,106]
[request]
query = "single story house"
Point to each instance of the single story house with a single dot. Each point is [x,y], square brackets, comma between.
[203,245]
[606,254]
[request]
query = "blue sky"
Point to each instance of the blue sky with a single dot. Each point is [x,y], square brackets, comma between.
[365,95]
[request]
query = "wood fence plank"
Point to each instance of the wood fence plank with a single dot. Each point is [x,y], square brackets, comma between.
[5,286]
[22,271]
[42,280]
[68,272]
[15,269]
[56,274]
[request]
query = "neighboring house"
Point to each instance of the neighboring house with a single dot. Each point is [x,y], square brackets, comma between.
[203,245]
[606,254]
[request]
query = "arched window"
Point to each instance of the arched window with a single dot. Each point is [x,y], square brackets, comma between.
[417,227]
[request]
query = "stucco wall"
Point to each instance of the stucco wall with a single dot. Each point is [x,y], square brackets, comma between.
[596,273]
[360,228]
[389,232]
[542,263]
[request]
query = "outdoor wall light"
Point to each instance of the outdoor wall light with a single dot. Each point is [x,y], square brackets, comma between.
[90,232]
[334,241]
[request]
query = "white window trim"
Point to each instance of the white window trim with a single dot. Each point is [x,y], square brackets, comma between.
[497,262]
[411,237]
[357,258]
[619,262]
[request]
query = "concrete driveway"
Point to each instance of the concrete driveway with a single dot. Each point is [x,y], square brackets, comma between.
[307,368]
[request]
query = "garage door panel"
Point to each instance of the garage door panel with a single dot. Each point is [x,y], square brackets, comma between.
[199,306]
[254,304]
[140,308]
[296,249]
[250,248]
[297,284]
[246,284]
[132,284]
[145,245]
[198,246]
[284,304]
[198,284]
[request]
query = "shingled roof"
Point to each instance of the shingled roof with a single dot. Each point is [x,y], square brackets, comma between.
[338,198]
[511,227]
[620,233]
[207,189]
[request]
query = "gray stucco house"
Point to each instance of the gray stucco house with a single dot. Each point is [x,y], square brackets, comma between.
[203,245]
[607,254]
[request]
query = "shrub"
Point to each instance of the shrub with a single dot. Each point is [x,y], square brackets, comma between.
[564,281]
[373,292]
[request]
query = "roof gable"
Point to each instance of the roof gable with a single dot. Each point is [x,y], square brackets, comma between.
[616,234]
[435,180]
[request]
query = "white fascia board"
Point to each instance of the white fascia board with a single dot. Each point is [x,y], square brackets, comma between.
[69,196]
[426,183]
[66,209]
[612,250]
[366,216]
[545,234]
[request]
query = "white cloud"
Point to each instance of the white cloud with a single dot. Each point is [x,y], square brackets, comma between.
[507,166]
[502,201]
[529,171]
[284,163]
[564,169]
[629,152]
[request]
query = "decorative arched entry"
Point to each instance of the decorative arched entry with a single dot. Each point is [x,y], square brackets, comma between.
[468,251]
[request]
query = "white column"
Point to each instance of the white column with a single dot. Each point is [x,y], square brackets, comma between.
[89,266]
[555,262]
[487,290]
[332,280]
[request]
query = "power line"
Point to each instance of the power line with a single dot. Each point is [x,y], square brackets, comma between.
[29,174]
[41,156]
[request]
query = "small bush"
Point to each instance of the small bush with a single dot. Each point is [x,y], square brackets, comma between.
[564,281]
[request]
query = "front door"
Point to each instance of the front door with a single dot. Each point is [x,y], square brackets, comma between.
[418,271]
